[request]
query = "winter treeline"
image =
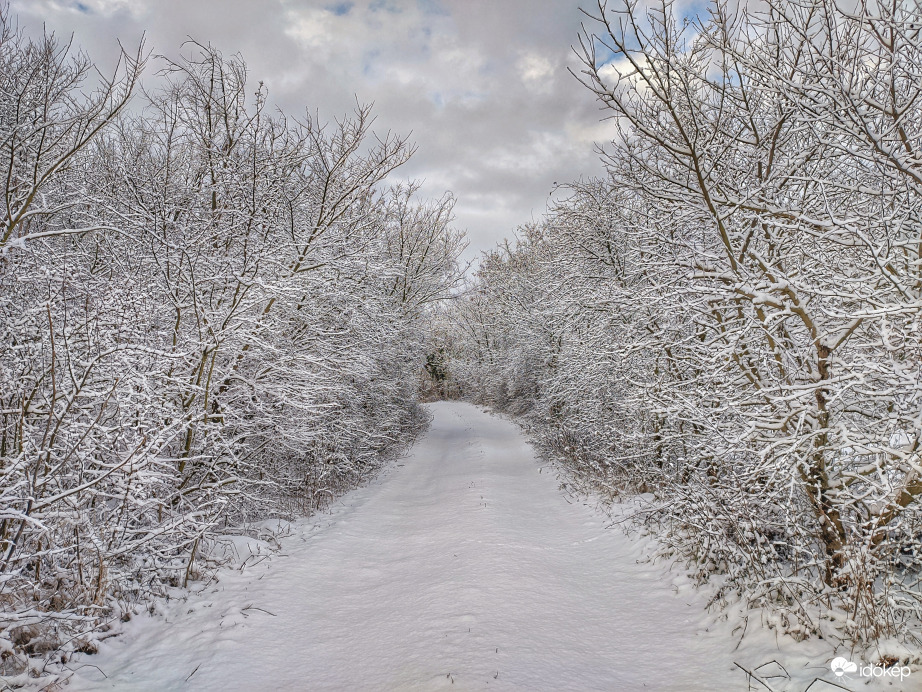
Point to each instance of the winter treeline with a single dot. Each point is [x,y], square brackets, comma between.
[731,319]
[210,313]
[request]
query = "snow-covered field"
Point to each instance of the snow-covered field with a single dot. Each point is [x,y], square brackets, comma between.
[462,567]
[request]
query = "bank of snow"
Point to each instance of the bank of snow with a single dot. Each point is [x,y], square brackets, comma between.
[461,567]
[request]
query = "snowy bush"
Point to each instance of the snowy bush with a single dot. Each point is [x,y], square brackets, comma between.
[210,313]
[732,318]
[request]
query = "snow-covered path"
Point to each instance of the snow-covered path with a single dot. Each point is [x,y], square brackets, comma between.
[462,568]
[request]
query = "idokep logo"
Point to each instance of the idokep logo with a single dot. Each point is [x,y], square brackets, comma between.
[842,666]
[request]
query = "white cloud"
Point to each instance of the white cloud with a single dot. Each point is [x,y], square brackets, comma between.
[536,70]
[314,28]
[482,85]
[104,8]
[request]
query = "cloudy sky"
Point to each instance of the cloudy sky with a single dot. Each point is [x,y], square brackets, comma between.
[482,85]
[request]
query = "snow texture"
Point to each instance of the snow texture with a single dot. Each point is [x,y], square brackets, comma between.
[463,567]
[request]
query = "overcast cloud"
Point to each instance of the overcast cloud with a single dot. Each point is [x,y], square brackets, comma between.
[481,84]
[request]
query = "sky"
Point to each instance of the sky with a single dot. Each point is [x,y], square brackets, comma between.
[481,86]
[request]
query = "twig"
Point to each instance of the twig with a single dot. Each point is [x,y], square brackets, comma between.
[251,607]
[786,673]
[89,665]
[753,676]
[745,625]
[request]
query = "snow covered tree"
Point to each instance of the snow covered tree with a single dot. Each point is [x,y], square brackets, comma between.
[210,313]
[732,318]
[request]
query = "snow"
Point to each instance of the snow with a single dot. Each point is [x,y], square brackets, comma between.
[462,567]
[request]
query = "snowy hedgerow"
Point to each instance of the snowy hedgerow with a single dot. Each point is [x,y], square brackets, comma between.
[732,317]
[209,313]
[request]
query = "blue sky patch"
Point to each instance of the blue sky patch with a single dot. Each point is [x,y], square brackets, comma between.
[341,9]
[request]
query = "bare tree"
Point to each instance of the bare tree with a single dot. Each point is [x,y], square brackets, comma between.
[210,313]
[732,317]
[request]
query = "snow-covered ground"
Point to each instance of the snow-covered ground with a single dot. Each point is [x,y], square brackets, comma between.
[463,567]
